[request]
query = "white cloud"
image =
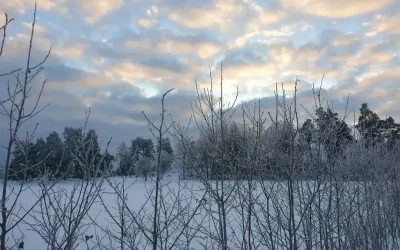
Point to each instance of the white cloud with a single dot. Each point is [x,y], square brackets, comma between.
[146,23]
[39,29]
[262,45]
[96,9]
[388,24]
[74,51]
[371,34]
[367,56]
[263,18]
[21,5]
[220,17]
[337,8]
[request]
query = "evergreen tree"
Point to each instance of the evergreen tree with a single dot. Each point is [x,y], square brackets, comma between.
[390,131]
[167,154]
[307,131]
[22,165]
[368,125]
[279,138]
[54,149]
[92,157]
[236,154]
[125,161]
[39,158]
[106,165]
[72,137]
[332,131]
[141,147]
[91,152]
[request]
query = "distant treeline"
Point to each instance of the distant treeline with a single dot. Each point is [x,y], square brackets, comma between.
[78,155]
[325,134]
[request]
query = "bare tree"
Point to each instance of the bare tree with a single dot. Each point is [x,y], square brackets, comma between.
[62,215]
[166,219]
[213,162]
[253,124]
[184,142]
[18,109]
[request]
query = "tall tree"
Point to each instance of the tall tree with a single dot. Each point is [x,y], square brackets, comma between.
[125,161]
[368,124]
[279,137]
[20,101]
[93,156]
[307,131]
[166,146]
[22,163]
[54,161]
[71,142]
[332,131]
[390,130]
[141,147]
[40,157]
[167,154]
[106,164]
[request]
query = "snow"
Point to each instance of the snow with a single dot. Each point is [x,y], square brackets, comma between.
[178,196]
[137,193]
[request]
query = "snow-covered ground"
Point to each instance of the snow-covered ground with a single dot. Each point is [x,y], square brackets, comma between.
[97,220]
[184,206]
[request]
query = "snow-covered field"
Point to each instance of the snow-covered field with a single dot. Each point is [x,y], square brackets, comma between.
[188,218]
[139,200]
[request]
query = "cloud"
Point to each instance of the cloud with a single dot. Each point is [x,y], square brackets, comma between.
[146,23]
[74,51]
[21,6]
[96,9]
[177,45]
[262,18]
[39,29]
[189,44]
[385,24]
[387,79]
[119,57]
[368,56]
[336,9]
[345,40]
[219,16]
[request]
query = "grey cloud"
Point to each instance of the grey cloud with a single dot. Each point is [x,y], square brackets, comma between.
[164,62]
[390,45]
[253,53]
[329,35]
[187,4]
[65,73]
[125,100]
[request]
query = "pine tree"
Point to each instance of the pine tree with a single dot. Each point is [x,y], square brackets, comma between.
[106,165]
[22,165]
[91,153]
[54,162]
[368,125]
[72,137]
[167,154]
[39,158]
[332,131]
[390,131]
[125,161]
[307,131]
[141,147]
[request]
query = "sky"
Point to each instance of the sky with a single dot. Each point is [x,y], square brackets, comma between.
[119,56]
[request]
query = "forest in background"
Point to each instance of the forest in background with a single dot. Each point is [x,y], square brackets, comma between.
[313,184]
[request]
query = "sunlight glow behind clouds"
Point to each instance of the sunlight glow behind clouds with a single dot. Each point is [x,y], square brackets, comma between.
[337,8]
[126,53]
